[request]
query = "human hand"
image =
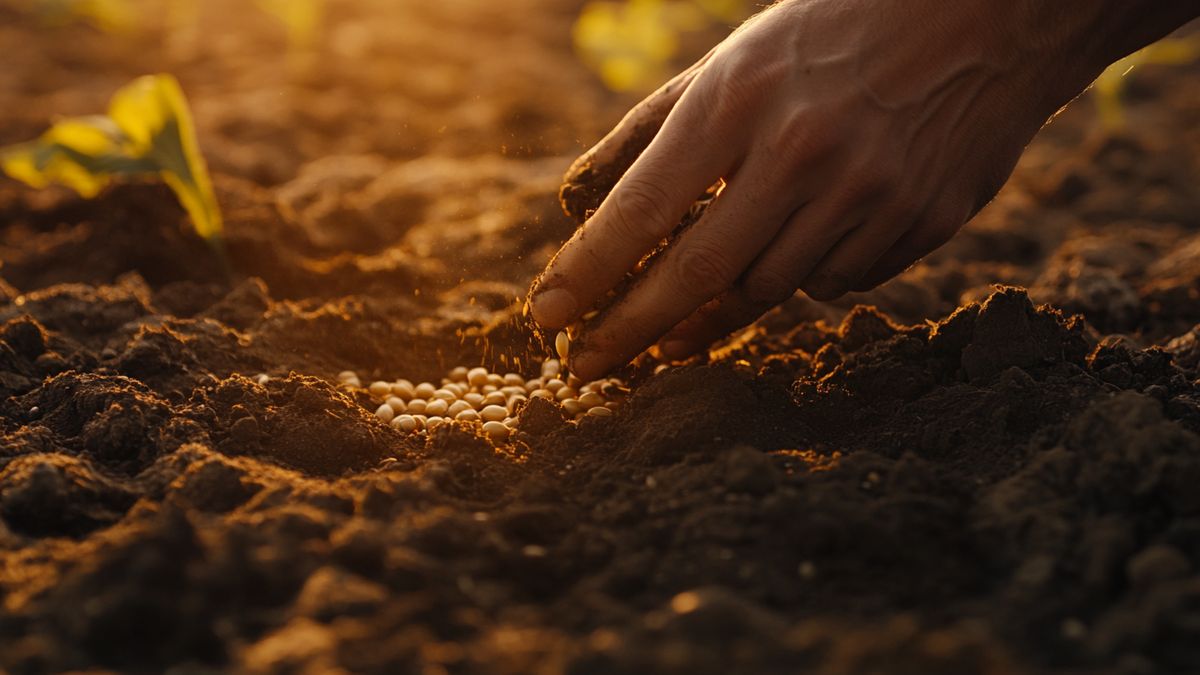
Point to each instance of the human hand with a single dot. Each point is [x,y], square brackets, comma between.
[854,136]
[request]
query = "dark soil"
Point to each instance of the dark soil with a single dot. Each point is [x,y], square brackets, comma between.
[950,478]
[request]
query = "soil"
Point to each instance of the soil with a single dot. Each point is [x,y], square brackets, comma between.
[939,476]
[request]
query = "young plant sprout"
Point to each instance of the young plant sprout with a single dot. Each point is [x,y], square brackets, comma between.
[148,131]
[301,19]
[1108,87]
[460,398]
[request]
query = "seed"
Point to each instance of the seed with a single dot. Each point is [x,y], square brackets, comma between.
[513,380]
[495,380]
[445,395]
[534,384]
[474,398]
[425,390]
[572,406]
[347,375]
[542,393]
[551,368]
[565,393]
[600,411]
[495,398]
[405,423]
[555,384]
[380,389]
[385,412]
[488,388]
[455,388]
[513,391]
[612,405]
[459,374]
[516,400]
[457,407]
[494,413]
[467,415]
[591,400]
[477,377]
[353,382]
[417,406]
[437,407]
[573,381]
[396,404]
[497,430]
[262,378]
[562,345]
[434,422]
[404,390]
[421,420]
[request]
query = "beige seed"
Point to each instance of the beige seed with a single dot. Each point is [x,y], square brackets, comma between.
[417,406]
[347,375]
[516,400]
[495,398]
[513,380]
[262,378]
[353,382]
[385,412]
[600,411]
[565,393]
[612,405]
[510,422]
[572,406]
[474,398]
[380,389]
[425,390]
[551,368]
[497,430]
[467,415]
[457,407]
[405,423]
[496,380]
[434,422]
[555,384]
[445,395]
[396,404]
[513,391]
[591,400]
[404,390]
[457,389]
[421,420]
[437,407]
[477,377]
[562,345]
[459,374]
[488,388]
[494,413]
[542,393]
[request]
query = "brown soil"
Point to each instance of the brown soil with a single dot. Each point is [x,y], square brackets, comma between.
[963,480]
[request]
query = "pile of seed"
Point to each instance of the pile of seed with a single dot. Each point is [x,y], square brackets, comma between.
[492,400]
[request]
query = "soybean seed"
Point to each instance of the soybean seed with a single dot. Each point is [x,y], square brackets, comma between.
[477,377]
[494,413]
[457,407]
[600,411]
[495,398]
[262,378]
[425,390]
[404,390]
[497,430]
[396,404]
[380,389]
[555,384]
[459,374]
[513,380]
[495,380]
[385,412]
[474,398]
[467,415]
[562,345]
[437,407]
[591,400]
[542,393]
[347,375]
[572,406]
[445,395]
[417,406]
[405,423]
[534,384]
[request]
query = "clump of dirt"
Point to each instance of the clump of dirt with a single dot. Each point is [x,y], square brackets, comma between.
[939,476]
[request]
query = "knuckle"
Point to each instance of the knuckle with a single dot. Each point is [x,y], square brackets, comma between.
[769,287]
[640,213]
[703,270]
[804,138]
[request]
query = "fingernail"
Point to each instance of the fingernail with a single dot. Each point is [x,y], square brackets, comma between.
[676,349]
[553,308]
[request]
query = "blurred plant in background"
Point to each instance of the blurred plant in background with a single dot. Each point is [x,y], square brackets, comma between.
[1107,88]
[630,43]
[148,131]
[301,19]
[110,16]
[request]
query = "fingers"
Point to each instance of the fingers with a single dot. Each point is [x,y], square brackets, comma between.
[703,263]
[683,160]
[592,176]
[924,238]
[845,265]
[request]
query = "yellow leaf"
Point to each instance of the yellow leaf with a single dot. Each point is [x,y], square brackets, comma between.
[153,115]
[1107,88]
[55,157]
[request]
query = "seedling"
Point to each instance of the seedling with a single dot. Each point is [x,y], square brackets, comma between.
[1107,88]
[148,131]
[630,44]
